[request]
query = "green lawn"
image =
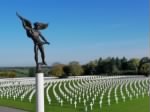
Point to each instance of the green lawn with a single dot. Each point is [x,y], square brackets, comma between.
[135,105]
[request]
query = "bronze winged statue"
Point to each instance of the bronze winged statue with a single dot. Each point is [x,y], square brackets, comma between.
[36,36]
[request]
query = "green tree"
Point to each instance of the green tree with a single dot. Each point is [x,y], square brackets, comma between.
[99,67]
[66,70]
[145,69]
[118,63]
[57,70]
[115,70]
[75,68]
[106,65]
[124,64]
[90,68]
[113,66]
[133,64]
[144,60]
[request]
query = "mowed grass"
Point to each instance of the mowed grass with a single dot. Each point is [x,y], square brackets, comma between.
[135,105]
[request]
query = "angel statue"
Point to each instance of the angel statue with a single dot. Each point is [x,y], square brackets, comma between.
[34,34]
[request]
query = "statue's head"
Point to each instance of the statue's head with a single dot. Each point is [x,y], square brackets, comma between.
[40,26]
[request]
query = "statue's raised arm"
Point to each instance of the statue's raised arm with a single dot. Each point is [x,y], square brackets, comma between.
[26,23]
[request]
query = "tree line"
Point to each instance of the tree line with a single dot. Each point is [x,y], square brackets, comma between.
[107,66]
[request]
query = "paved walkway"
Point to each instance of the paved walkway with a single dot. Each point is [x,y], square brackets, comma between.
[8,109]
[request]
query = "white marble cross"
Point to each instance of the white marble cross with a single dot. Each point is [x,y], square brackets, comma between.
[61,102]
[100,103]
[116,98]
[91,105]
[108,101]
[75,104]
[124,98]
[70,100]
[84,101]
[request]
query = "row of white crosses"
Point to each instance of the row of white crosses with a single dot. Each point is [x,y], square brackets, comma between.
[14,88]
[116,96]
[75,102]
[123,96]
[47,93]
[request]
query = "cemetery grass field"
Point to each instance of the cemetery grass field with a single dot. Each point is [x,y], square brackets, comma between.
[136,105]
[62,88]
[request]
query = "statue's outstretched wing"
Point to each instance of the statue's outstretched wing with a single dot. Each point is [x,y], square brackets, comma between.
[40,25]
[26,23]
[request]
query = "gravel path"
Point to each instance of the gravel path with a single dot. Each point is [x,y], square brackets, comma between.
[8,109]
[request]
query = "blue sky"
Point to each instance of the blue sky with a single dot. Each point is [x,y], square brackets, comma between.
[80,30]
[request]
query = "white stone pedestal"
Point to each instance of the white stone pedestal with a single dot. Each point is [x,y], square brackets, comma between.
[40,92]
